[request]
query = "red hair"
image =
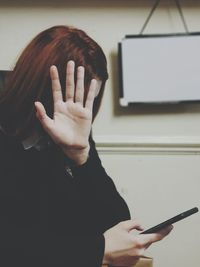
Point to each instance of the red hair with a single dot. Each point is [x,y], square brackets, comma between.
[30,80]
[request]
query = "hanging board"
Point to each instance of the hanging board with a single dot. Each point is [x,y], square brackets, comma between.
[159,68]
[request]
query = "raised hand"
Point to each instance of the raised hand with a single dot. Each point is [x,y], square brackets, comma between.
[72,119]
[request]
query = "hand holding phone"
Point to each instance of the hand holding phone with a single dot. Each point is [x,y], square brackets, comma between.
[170,221]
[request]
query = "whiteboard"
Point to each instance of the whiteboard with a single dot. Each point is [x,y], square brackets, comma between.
[160,68]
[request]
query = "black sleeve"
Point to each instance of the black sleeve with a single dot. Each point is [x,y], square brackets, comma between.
[31,247]
[94,182]
[24,241]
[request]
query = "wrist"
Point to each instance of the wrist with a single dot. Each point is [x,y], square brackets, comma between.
[78,156]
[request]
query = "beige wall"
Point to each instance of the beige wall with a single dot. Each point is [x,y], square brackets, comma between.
[152,152]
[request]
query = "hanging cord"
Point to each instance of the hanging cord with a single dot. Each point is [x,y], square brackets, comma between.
[150,15]
[182,16]
[154,8]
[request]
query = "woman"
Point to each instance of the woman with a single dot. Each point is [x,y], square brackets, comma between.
[58,205]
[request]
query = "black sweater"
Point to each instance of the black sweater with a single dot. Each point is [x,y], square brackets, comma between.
[47,217]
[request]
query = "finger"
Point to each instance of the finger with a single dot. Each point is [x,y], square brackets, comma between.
[131,224]
[154,237]
[56,87]
[91,94]
[165,231]
[70,80]
[80,84]
[147,239]
[42,116]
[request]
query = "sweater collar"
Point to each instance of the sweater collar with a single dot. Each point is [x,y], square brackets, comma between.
[37,140]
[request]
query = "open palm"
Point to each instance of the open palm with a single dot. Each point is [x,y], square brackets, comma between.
[71,123]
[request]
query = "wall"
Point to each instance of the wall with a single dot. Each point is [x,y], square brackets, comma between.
[152,152]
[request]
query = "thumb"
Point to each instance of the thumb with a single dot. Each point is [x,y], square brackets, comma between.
[130,225]
[154,237]
[42,116]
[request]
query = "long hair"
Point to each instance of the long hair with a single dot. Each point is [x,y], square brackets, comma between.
[30,79]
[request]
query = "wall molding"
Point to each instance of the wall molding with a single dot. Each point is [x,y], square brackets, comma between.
[114,144]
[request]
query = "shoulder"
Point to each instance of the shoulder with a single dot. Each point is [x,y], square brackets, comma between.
[8,145]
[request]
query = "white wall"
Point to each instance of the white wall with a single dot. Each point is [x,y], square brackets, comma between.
[159,181]
[152,152]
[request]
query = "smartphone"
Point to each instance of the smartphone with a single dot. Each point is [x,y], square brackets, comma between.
[172,220]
